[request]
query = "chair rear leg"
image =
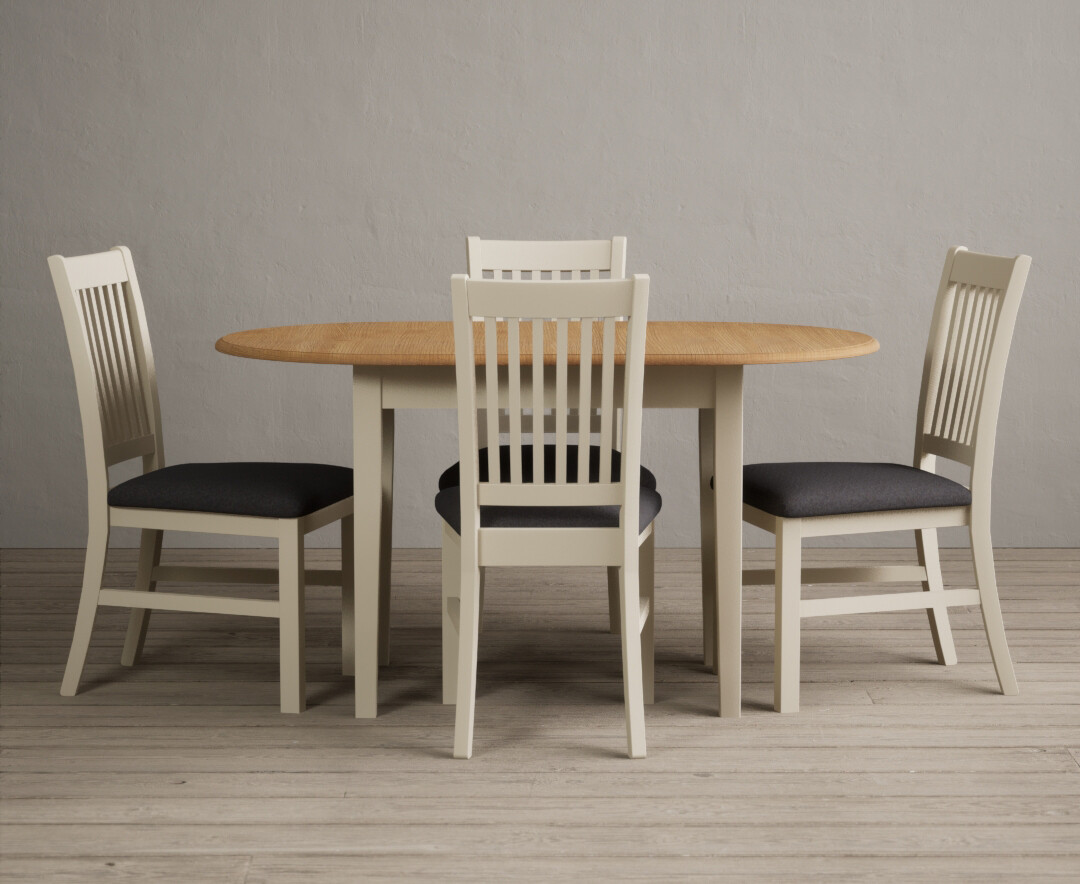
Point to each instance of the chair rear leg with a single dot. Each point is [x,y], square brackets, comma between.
[982,549]
[633,695]
[647,576]
[927,546]
[468,646]
[348,603]
[451,612]
[291,622]
[149,558]
[97,545]
[787,619]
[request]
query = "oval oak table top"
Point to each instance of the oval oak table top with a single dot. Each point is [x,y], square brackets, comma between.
[432,343]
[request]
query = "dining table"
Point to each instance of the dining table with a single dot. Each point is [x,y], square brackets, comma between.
[410,365]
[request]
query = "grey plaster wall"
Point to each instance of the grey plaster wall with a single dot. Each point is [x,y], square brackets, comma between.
[284,162]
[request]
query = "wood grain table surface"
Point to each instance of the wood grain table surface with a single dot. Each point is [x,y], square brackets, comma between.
[432,343]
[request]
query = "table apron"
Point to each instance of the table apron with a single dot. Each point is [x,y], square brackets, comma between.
[666,386]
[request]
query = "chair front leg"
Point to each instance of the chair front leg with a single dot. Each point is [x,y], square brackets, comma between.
[451,611]
[787,619]
[291,617]
[348,599]
[982,550]
[149,558]
[97,545]
[468,647]
[927,546]
[647,576]
[633,695]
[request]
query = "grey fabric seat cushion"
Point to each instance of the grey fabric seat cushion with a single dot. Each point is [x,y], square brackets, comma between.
[806,489]
[451,477]
[272,490]
[448,505]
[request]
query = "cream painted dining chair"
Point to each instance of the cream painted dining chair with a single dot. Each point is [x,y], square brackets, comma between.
[564,510]
[568,260]
[118,398]
[963,371]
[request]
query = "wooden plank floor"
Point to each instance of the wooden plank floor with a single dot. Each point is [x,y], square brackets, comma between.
[182,769]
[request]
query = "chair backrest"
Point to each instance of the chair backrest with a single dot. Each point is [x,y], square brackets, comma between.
[510,259]
[964,368]
[567,260]
[114,365]
[524,331]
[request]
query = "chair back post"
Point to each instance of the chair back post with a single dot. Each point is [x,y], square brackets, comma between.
[109,342]
[633,392]
[964,368]
[86,388]
[986,420]
[465,372]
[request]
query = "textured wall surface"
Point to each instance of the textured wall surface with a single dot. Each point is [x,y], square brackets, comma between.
[284,162]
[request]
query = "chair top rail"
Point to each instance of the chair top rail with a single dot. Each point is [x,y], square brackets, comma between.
[547,256]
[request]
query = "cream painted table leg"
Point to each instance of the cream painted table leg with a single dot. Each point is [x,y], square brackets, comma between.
[706,448]
[371,438]
[386,539]
[727,517]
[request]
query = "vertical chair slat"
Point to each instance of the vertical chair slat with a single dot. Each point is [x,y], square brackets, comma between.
[132,388]
[967,342]
[112,429]
[957,359]
[90,325]
[980,380]
[981,297]
[127,346]
[607,397]
[538,400]
[560,399]
[513,342]
[128,419]
[970,403]
[948,362]
[584,400]
[491,375]
[945,380]
[104,334]
[89,330]
[960,309]
[112,363]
